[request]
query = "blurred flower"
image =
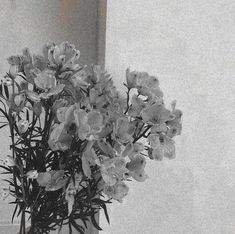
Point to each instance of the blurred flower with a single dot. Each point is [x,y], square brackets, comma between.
[137,163]
[154,141]
[124,130]
[164,147]
[89,124]
[136,168]
[33,174]
[52,180]
[37,108]
[131,78]
[113,170]
[117,191]
[58,104]
[13,71]
[17,102]
[64,55]
[22,126]
[59,138]
[156,114]
[139,176]
[137,104]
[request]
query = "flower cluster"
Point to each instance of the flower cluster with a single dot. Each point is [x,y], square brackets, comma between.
[72,127]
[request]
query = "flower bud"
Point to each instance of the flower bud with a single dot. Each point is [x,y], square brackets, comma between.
[22,126]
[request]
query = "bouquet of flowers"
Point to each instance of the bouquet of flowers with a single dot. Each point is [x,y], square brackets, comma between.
[74,139]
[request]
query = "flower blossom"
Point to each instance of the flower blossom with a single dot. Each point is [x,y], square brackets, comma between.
[117,191]
[22,126]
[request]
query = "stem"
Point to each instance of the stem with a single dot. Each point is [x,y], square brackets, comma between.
[127,100]
[142,134]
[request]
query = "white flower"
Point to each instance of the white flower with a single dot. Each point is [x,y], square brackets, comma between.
[22,126]
[33,174]
[117,191]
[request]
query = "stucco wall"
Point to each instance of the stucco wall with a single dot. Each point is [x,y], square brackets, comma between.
[190,46]
[31,23]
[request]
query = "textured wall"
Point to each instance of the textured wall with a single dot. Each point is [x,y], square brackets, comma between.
[31,23]
[190,45]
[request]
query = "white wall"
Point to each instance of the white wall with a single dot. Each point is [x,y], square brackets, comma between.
[190,45]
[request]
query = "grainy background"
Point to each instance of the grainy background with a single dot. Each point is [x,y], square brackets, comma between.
[190,46]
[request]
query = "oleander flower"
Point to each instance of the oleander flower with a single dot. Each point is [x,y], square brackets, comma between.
[52,180]
[124,130]
[59,138]
[137,104]
[117,191]
[175,125]
[164,147]
[17,102]
[64,55]
[131,78]
[32,174]
[76,138]
[156,114]
[113,170]
[22,126]
[89,124]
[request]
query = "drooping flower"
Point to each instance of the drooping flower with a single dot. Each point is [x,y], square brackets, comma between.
[59,138]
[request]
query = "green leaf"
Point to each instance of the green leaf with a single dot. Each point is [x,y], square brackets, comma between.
[14,212]
[105,212]
[94,222]
[78,227]
[4,125]
[6,91]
